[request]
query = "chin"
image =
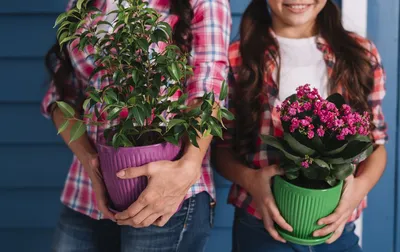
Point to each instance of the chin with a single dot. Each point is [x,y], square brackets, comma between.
[297,21]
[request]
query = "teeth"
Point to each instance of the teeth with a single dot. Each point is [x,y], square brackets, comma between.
[297,6]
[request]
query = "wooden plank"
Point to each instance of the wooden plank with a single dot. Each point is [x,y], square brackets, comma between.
[49,6]
[29,208]
[26,125]
[380,216]
[47,166]
[34,37]
[34,165]
[38,6]
[37,35]
[28,75]
[44,207]
[23,240]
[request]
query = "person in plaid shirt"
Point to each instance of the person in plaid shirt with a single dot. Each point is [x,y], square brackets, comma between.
[202,28]
[284,44]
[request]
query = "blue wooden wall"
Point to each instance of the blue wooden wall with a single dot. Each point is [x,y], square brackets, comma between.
[35,160]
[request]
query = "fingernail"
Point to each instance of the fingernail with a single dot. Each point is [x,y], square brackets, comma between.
[121,173]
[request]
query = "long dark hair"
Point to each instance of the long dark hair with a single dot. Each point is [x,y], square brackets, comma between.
[182,37]
[352,69]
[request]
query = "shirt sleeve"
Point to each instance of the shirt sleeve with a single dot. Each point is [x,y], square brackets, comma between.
[211,28]
[375,98]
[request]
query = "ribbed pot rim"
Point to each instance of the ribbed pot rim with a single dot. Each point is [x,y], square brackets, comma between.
[308,190]
[109,148]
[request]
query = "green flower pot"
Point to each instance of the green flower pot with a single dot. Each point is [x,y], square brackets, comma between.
[302,208]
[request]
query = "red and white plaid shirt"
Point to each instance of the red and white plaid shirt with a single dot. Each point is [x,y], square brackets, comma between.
[211,28]
[270,123]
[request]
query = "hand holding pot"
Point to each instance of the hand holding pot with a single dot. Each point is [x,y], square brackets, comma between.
[264,199]
[337,220]
[92,167]
[169,182]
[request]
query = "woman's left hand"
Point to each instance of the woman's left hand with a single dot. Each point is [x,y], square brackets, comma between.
[336,222]
[169,182]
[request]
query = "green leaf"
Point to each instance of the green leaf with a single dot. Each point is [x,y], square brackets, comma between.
[132,100]
[79,4]
[318,144]
[331,180]
[174,122]
[227,114]
[157,80]
[352,152]
[77,131]
[138,114]
[172,139]
[166,27]
[194,112]
[335,151]
[342,171]
[174,71]
[224,91]
[157,130]
[215,128]
[111,95]
[162,119]
[321,163]
[144,45]
[292,174]
[359,138]
[114,113]
[160,35]
[60,18]
[297,146]
[172,90]
[104,22]
[336,99]
[67,110]
[135,76]
[63,127]
[207,132]
[125,141]
[95,96]
[316,172]
[193,139]
[116,140]
[272,141]
[68,39]
[63,36]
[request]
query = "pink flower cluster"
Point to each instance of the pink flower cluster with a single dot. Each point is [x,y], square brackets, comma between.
[311,115]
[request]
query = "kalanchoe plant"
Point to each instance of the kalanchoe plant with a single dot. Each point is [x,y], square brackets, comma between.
[140,81]
[322,140]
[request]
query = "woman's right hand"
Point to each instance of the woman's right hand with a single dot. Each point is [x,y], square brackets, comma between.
[260,189]
[92,167]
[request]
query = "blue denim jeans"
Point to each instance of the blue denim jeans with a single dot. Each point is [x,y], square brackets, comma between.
[187,230]
[249,235]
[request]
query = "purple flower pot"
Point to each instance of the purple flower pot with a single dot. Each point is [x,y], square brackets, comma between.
[123,192]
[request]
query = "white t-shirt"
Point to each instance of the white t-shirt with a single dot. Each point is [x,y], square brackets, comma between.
[301,63]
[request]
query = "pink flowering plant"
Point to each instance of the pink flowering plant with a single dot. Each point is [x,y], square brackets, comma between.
[323,139]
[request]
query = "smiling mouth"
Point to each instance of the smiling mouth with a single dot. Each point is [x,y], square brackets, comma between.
[297,8]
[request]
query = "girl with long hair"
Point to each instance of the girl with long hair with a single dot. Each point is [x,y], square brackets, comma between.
[284,44]
[201,28]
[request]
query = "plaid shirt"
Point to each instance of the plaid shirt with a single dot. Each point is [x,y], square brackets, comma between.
[270,123]
[211,27]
